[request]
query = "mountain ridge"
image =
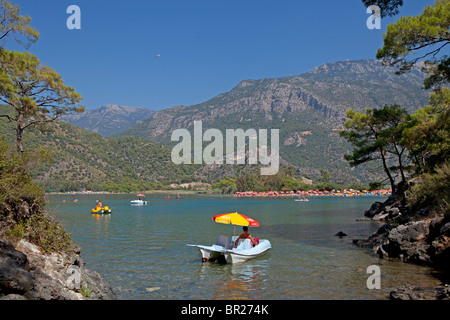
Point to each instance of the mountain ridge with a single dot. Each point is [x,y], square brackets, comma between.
[109,119]
[308,110]
[315,102]
[322,88]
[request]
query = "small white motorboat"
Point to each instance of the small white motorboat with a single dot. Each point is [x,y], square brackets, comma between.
[224,250]
[301,199]
[139,202]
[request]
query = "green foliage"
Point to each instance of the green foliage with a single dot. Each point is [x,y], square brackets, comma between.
[44,231]
[375,185]
[376,135]
[427,135]
[19,195]
[227,185]
[433,191]
[86,291]
[22,203]
[328,186]
[15,26]
[17,232]
[412,39]
[33,92]
[418,142]
[84,160]
[387,7]
[248,182]
[282,181]
[325,176]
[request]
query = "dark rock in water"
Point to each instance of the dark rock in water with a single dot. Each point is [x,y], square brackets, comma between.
[392,209]
[375,209]
[340,234]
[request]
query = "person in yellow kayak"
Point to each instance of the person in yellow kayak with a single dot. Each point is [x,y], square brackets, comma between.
[246,235]
[99,204]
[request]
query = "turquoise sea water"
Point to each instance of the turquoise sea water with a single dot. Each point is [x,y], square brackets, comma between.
[141,250]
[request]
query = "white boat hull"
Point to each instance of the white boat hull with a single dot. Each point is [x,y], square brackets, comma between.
[138,202]
[242,256]
[226,252]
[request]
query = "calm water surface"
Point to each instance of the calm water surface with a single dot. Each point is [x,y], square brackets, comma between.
[141,250]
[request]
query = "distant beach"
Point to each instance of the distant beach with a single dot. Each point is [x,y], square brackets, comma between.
[309,193]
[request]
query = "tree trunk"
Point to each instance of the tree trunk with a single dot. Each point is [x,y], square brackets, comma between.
[19,134]
[417,161]
[386,169]
[400,163]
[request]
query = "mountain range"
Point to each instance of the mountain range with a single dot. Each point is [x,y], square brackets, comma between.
[308,109]
[109,119]
[129,148]
[320,96]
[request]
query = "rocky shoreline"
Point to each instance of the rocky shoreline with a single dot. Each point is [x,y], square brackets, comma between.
[419,238]
[27,274]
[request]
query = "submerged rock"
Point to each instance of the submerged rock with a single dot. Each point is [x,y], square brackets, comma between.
[340,234]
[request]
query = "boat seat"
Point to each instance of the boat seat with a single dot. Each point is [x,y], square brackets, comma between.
[225,241]
[244,244]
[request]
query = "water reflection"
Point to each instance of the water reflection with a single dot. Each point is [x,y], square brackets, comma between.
[240,281]
[101,221]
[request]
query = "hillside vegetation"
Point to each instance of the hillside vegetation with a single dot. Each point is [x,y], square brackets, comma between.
[308,109]
[80,159]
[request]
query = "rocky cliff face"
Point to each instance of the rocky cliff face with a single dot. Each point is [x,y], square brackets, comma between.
[320,96]
[27,274]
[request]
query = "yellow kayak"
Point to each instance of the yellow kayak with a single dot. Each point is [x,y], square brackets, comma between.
[103,210]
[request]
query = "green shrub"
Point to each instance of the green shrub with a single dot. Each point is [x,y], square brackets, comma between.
[22,204]
[432,192]
[17,232]
[44,231]
[86,291]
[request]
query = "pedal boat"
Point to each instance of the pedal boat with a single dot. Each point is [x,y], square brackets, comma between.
[224,250]
[103,210]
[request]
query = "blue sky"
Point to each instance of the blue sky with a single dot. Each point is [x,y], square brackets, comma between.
[205,47]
